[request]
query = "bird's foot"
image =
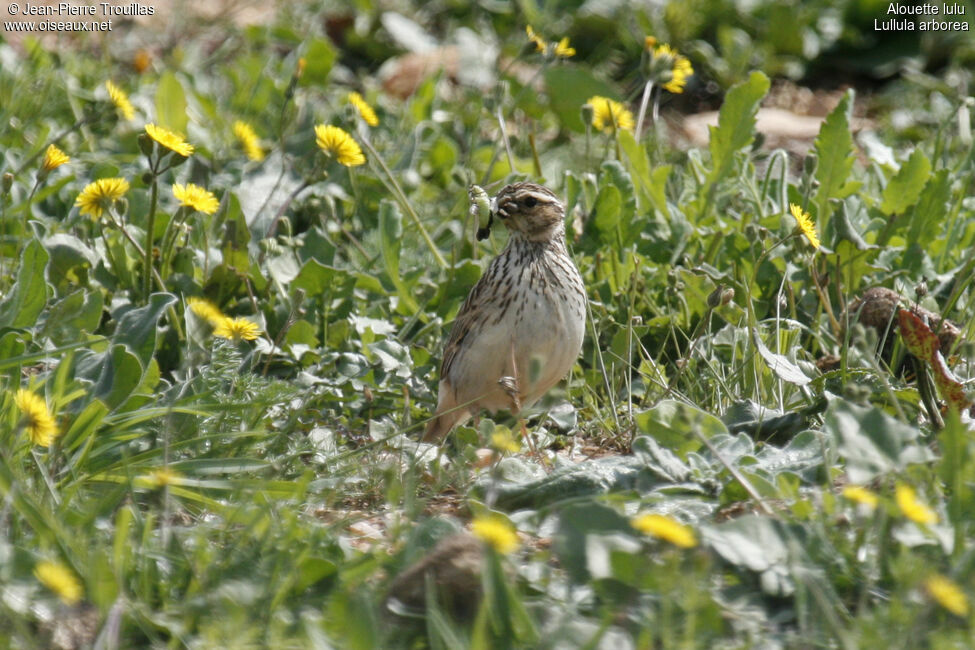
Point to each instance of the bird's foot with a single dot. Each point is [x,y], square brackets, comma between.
[510,386]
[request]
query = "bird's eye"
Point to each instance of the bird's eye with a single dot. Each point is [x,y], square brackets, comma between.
[531,202]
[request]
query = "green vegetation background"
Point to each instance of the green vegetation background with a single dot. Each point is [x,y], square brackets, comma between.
[209,492]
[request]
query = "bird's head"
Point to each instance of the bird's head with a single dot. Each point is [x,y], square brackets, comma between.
[529,211]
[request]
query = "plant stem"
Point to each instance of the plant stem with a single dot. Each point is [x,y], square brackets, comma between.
[647,90]
[150,226]
[404,202]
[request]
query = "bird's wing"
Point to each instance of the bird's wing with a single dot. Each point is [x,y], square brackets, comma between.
[470,315]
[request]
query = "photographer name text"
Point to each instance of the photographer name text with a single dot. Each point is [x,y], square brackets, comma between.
[99,9]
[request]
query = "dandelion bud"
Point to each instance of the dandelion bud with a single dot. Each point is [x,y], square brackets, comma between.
[8,182]
[809,164]
[121,206]
[921,289]
[587,112]
[145,144]
[147,178]
[285,228]
[714,298]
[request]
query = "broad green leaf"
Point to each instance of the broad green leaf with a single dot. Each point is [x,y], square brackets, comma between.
[673,424]
[137,328]
[736,124]
[650,183]
[905,187]
[78,312]
[759,544]
[872,442]
[319,58]
[569,88]
[834,152]
[928,216]
[780,365]
[119,374]
[171,103]
[576,523]
[26,300]
[607,213]
[390,240]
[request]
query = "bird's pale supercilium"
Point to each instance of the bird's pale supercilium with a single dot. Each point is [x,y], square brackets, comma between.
[520,330]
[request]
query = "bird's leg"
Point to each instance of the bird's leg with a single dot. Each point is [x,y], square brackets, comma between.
[509,381]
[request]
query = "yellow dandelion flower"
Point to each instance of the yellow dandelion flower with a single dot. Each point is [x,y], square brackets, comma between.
[60,580]
[335,142]
[912,507]
[609,115]
[206,310]
[36,418]
[97,197]
[54,158]
[670,68]
[157,478]
[806,225]
[948,594]
[496,533]
[535,38]
[170,140]
[861,495]
[681,71]
[365,110]
[563,50]
[236,329]
[196,197]
[503,439]
[649,42]
[121,100]
[666,529]
[252,144]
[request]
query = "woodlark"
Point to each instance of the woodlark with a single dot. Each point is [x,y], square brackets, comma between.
[520,330]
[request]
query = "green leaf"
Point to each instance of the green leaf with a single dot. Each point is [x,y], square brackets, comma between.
[73,315]
[319,58]
[759,544]
[780,365]
[171,103]
[119,374]
[736,124]
[834,151]
[607,213]
[905,187]
[26,301]
[673,423]
[928,216]
[872,442]
[137,328]
[576,523]
[569,88]
[390,240]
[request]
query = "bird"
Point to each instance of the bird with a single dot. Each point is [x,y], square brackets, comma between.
[520,330]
